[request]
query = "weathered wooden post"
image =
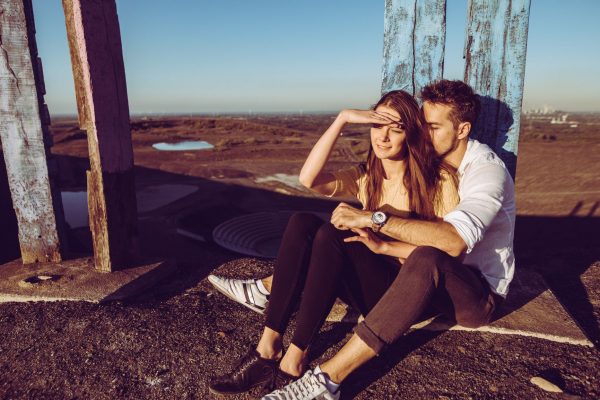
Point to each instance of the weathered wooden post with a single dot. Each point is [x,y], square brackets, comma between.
[413,44]
[99,74]
[24,119]
[495,50]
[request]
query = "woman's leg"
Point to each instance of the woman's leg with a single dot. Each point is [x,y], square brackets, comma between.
[331,260]
[290,272]
[259,366]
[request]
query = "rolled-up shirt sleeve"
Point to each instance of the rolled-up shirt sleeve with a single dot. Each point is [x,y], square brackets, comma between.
[481,195]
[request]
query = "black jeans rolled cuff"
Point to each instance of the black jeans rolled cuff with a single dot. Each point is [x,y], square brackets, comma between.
[370,338]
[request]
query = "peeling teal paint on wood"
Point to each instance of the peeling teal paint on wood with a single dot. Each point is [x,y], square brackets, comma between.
[413,44]
[495,51]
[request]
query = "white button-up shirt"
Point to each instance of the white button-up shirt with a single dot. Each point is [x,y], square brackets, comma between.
[485,216]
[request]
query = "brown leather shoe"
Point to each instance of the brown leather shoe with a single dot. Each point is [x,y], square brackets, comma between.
[249,372]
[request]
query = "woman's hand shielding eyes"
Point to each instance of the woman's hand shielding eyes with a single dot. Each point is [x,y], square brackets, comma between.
[367,117]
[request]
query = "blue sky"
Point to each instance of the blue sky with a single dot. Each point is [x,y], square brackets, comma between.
[197,56]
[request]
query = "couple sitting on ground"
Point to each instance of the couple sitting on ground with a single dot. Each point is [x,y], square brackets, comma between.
[435,232]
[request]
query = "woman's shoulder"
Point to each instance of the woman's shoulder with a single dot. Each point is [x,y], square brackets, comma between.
[354,172]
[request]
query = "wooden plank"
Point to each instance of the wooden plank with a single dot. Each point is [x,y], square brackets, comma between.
[495,51]
[99,75]
[24,135]
[413,44]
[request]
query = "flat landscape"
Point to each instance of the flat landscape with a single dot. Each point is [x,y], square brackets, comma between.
[166,343]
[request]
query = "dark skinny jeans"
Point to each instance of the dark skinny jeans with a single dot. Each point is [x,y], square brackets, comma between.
[314,266]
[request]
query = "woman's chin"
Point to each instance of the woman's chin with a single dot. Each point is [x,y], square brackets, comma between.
[386,155]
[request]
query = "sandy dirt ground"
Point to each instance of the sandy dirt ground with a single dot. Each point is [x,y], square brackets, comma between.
[166,343]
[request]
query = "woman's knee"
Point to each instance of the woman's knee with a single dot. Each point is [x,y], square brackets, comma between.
[303,223]
[328,233]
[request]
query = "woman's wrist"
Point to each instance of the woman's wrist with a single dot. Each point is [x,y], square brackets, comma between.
[384,248]
[342,117]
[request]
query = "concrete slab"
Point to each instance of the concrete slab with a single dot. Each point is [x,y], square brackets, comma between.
[77,280]
[530,309]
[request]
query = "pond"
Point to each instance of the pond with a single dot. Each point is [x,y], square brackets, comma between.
[183,146]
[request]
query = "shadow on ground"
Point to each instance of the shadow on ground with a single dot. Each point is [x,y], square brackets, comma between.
[562,250]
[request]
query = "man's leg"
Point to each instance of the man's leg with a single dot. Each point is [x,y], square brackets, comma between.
[428,275]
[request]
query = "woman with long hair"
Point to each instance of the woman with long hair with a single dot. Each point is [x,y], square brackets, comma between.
[318,261]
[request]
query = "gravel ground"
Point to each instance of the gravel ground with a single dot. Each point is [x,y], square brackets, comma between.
[167,345]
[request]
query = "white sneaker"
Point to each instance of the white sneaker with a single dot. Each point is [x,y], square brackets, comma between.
[310,387]
[244,291]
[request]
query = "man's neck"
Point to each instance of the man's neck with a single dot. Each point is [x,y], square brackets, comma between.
[456,156]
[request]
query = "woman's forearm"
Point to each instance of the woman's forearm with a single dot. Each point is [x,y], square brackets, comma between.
[316,160]
[397,249]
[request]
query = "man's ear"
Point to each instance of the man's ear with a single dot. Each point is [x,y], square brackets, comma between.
[464,128]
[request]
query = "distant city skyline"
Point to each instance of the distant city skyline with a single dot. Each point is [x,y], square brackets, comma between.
[200,57]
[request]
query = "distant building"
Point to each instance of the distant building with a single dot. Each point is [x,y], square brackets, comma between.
[562,120]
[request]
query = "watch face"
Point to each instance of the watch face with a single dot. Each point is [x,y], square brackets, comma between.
[379,217]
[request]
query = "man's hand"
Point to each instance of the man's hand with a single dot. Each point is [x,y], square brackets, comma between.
[346,217]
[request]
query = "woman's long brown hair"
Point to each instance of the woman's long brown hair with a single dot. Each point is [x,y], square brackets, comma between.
[422,164]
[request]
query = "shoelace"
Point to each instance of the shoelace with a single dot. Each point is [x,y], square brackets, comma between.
[242,364]
[297,389]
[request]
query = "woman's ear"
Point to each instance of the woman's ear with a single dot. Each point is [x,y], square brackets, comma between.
[464,128]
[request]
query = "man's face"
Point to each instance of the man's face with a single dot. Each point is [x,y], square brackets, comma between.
[443,133]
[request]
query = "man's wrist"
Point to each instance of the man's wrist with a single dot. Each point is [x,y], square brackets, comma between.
[387,224]
[367,220]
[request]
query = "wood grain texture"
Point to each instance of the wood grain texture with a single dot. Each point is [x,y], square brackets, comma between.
[495,51]
[25,139]
[413,44]
[101,90]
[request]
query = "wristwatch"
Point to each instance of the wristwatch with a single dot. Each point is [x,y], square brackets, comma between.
[378,219]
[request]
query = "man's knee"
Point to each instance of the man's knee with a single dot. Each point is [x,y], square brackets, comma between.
[424,259]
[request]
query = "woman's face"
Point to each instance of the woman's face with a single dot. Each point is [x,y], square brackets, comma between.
[388,140]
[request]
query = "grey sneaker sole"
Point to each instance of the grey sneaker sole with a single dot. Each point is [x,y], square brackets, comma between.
[225,290]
